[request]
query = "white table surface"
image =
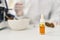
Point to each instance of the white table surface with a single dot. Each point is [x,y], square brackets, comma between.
[31,34]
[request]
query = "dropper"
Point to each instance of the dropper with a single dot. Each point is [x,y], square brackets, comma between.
[42,18]
[42,25]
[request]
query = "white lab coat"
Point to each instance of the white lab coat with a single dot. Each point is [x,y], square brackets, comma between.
[50,8]
[34,8]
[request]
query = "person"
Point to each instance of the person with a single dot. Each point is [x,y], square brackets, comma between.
[50,9]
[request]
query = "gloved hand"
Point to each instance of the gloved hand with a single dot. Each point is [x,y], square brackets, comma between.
[19,8]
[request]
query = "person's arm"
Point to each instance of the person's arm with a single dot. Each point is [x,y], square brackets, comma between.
[45,8]
[55,17]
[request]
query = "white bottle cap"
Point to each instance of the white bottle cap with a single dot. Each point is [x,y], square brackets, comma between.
[42,18]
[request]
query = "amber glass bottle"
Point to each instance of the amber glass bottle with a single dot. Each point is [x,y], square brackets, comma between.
[42,25]
[42,29]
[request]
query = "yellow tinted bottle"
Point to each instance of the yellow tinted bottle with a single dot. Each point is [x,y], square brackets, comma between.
[42,25]
[42,29]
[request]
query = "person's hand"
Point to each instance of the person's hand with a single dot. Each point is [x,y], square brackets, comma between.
[55,22]
[19,9]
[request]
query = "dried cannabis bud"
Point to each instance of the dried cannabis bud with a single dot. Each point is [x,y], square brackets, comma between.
[49,24]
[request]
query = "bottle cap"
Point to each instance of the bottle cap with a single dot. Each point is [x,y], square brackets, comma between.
[42,18]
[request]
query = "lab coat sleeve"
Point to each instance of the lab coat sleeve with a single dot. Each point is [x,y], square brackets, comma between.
[45,8]
[39,7]
[33,11]
[56,12]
